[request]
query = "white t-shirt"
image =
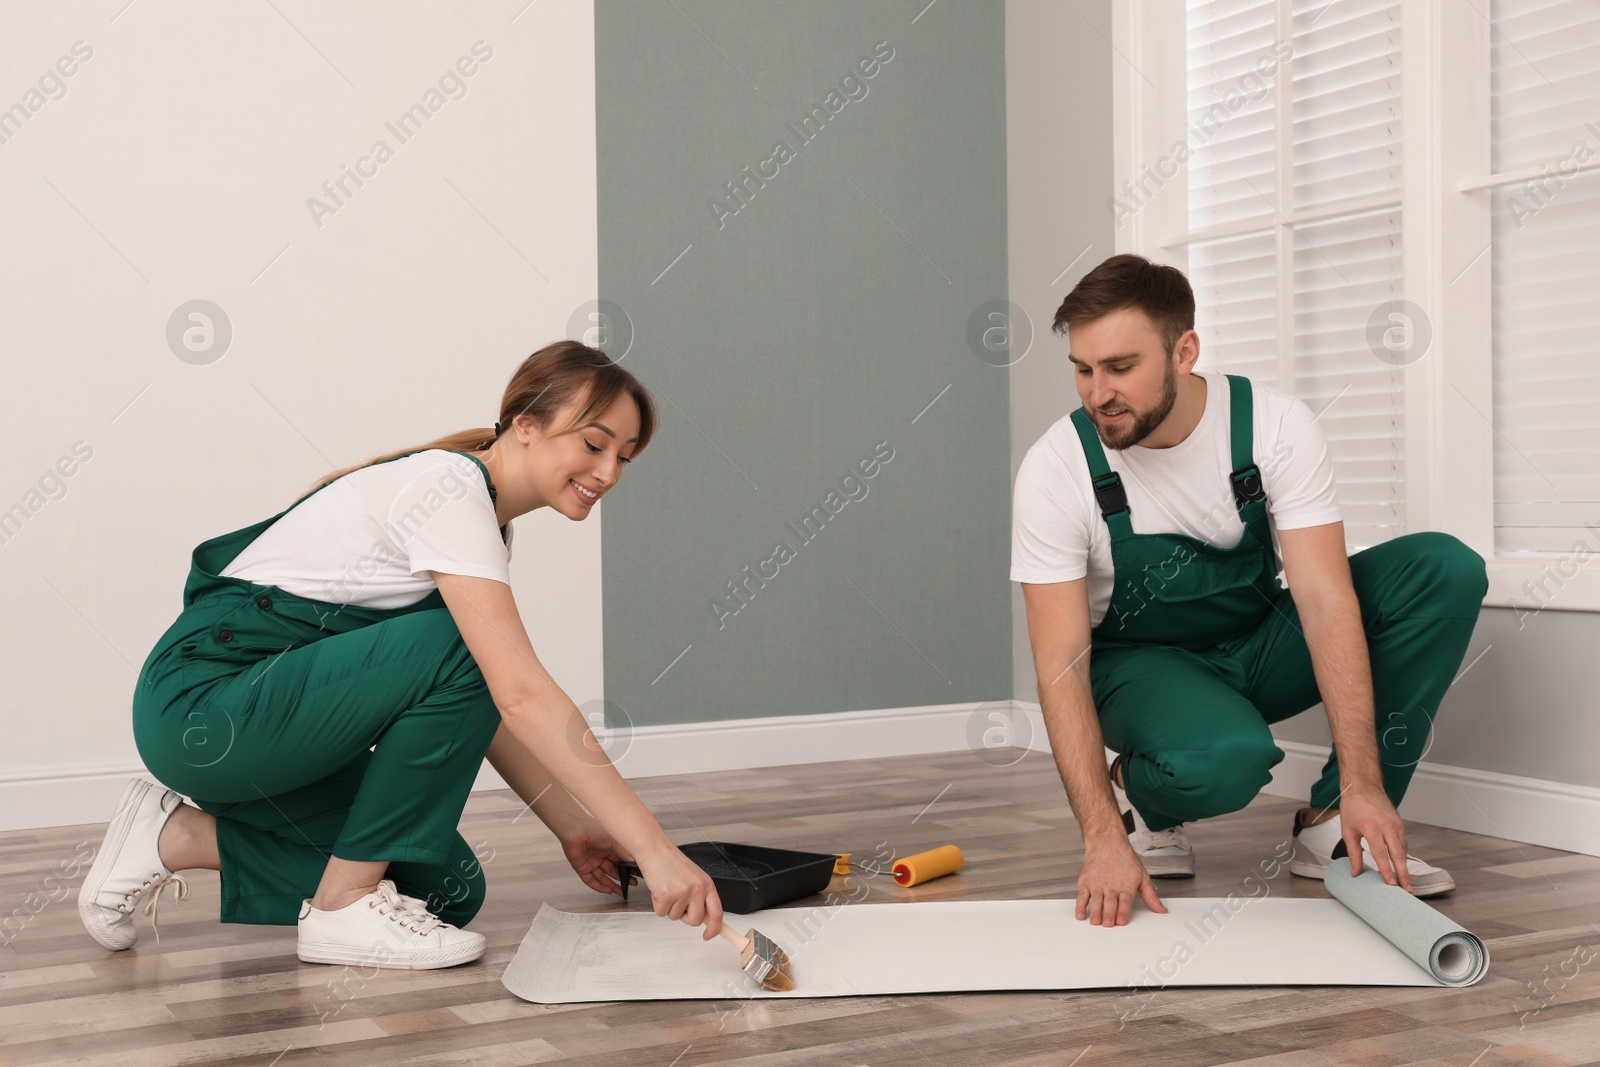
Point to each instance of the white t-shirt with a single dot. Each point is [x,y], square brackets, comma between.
[367,538]
[1058,534]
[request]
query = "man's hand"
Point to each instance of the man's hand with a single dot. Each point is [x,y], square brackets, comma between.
[594,855]
[1367,813]
[1108,881]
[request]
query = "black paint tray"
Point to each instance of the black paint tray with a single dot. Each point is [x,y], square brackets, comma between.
[749,877]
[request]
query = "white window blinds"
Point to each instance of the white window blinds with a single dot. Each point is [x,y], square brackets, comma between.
[1545,82]
[1286,284]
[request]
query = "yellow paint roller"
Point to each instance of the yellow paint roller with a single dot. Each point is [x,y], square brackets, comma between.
[924,866]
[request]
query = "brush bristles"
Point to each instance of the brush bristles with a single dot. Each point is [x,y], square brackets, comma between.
[781,978]
[768,964]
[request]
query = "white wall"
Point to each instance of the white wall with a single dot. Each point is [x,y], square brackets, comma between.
[177,166]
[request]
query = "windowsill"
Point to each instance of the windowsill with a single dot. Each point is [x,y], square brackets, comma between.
[1544,582]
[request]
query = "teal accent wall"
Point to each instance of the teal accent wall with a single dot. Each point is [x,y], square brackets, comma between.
[801,272]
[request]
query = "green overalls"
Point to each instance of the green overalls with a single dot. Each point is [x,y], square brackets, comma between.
[1201,649]
[311,728]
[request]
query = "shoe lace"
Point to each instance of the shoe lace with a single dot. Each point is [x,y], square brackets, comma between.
[1172,837]
[410,912]
[157,884]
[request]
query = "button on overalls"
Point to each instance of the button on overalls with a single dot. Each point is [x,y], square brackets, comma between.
[1201,648]
[310,728]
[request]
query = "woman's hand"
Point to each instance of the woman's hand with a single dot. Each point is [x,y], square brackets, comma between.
[594,855]
[681,890]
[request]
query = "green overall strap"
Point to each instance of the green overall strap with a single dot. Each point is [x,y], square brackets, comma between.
[1108,490]
[493,492]
[1249,491]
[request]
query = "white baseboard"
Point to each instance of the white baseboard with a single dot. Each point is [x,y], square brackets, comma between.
[783,742]
[732,744]
[63,796]
[68,796]
[1532,810]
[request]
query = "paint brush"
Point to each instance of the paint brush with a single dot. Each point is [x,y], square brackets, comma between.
[762,960]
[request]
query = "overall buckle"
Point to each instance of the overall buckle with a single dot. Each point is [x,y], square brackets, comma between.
[1247,485]
[1110,494]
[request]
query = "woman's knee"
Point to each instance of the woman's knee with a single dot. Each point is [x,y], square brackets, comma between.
[436,629]
[457,669]
[459,894]
[459,912]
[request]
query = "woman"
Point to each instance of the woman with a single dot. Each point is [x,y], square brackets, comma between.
[341,669]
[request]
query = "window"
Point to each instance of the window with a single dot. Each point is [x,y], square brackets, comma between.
[1392,209]
[1545,231]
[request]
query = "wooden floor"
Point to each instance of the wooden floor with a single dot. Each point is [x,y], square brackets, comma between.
[236,994]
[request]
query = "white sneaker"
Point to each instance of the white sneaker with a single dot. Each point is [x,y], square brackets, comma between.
[1317,846]
[128,866]
[1164,853]
[385,928]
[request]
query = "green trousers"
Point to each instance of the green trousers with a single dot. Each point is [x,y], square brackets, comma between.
[1193,725]
[362,744]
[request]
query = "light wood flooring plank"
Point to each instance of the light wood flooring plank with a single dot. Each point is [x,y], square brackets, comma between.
[207,993]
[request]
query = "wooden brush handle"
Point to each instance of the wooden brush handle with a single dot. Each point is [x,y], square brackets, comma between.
[738,940]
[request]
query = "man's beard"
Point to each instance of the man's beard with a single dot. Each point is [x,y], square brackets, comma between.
[1119,439]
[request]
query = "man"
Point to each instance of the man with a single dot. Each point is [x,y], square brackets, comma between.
[1143,536]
